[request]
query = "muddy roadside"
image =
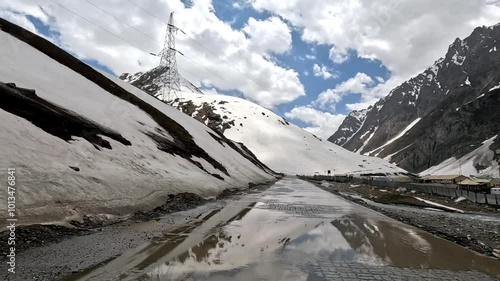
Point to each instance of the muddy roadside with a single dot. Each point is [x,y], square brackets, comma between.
[51,252]
[478,228]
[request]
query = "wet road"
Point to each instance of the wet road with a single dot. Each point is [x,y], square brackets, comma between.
[295,231]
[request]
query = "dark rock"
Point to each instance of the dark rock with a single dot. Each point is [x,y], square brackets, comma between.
[175,203]
[54,119]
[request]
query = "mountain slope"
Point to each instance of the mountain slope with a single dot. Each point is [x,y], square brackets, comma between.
[445,112]
[86,142]
[282,146]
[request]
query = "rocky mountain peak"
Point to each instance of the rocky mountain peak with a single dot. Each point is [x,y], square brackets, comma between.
[468,70]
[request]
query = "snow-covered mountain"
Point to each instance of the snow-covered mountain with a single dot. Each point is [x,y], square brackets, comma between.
[83,142]
[281,145]
[445,113]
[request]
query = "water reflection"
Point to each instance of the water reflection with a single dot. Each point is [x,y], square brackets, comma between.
[399,245]
[264,238]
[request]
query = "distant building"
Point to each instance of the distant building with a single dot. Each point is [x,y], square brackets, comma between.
[471,185]
[487,182]
[444,179]
[399,178]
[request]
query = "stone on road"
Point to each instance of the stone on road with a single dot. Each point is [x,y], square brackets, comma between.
[296,231]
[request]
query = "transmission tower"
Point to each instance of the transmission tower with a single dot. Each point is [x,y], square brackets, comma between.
[171,79]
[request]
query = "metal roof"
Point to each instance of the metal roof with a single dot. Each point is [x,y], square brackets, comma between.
[482,180]
[468,182]
[442,177]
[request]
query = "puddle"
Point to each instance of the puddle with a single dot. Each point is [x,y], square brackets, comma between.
[282,235]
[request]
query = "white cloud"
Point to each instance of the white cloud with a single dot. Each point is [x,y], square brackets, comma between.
[370,95]
[394,31]
[19,19]
[406,36]
[322,124]
[359,84]
[271,35]
[323,71]
[230,59]
[310,57]
[338,55]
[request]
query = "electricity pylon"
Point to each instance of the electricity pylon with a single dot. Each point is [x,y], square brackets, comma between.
[171,79]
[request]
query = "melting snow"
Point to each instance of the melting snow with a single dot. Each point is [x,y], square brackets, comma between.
[465,165]
[397,137]
[389,157]
[457,59]
[494,88]
[367,140]
[127,176]
[439,205]
[287,148]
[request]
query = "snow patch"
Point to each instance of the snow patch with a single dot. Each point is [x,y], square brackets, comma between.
[482,155]
[287,149]
[411,125]
[494,88]
[367,140]
[439,205]
[124,177]
[467,81]
[457,59]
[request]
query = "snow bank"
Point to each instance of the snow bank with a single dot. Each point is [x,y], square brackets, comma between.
[283,146]
[466,165]
[118,180]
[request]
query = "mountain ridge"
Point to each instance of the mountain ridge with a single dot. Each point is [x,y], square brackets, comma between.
[465,77]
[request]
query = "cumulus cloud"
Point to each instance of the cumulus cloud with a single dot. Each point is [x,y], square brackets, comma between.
[394,31]
[19,20]
[359,84]
[338,55]
[406,36]
[323,71]
[271,35]
[231,59]
[310,57]
[319,123]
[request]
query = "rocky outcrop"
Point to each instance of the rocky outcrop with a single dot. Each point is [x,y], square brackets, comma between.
[351,125]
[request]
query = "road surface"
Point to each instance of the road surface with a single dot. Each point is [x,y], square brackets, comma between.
[295,231]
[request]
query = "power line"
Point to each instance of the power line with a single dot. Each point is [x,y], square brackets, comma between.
[135,4]
[87,20]
[135,45]
[170,77]
[205,47]
[144,50]
[120,20]
[207,69]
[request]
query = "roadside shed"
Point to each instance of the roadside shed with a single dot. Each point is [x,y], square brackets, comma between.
[471,185]
[487,182]
[444,179]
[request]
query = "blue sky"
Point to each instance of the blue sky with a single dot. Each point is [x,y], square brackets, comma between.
[386,44]
[295,58]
